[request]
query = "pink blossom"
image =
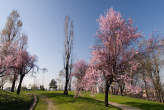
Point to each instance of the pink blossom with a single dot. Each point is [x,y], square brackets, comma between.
[113,58]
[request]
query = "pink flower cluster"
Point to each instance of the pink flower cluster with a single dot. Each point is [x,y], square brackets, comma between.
[113,58]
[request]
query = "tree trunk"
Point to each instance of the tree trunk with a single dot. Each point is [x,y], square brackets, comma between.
[77,92]
[70,84]
[20,84]
[66,87]
[13,84]
[160,96]
[106,93]
[161,99]
[66,81]
[146,90]
[121,91]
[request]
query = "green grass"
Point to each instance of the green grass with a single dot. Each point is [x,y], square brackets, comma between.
[135,102]
[64,102]
[42,104]
[12,101]
[93,102]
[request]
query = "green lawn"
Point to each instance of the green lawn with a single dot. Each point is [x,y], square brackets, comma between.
[136,102]
[42,104]
[63,102]
[86,101]
[12,101]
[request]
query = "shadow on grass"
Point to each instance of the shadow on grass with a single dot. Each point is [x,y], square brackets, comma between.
[14,104]
[10,101]
[69,99]
[146,106]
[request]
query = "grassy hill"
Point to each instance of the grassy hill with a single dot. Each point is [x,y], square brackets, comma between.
[86,101]
[12,101]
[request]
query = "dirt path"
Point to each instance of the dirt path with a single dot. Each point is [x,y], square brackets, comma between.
[50,104]
[34,102]
[123,107]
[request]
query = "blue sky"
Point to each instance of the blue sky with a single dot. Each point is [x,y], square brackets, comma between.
[44,24]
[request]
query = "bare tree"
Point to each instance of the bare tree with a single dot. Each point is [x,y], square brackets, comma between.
[61,79]
[155,77]
[44,70]
[68,45]
[151,64]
